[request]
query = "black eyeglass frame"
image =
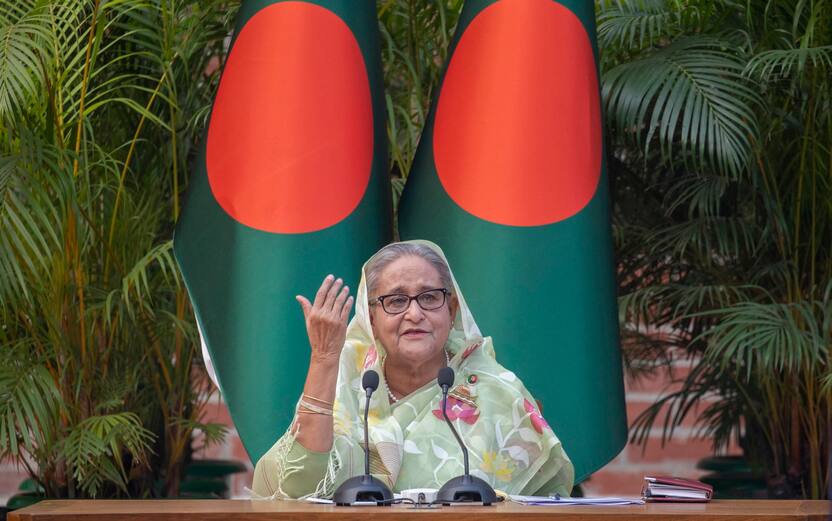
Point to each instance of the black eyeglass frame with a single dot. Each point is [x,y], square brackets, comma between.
[380,300]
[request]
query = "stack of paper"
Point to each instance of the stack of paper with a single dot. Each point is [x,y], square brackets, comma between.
[666,488]
[557,500]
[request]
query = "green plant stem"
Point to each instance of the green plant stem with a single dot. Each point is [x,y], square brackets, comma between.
[776,420]
[84,83]
[812,409]
[174,162]
[829,221]
[124,172]
[798,207]
[813,223]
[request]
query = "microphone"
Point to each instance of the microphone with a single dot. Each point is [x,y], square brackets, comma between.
[365,488]
[465,488]
[445,379]
[369,382]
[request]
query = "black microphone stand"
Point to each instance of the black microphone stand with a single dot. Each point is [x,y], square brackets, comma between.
[364,488]
[465,488]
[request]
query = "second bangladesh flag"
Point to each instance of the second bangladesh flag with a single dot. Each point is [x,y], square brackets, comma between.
[509,180]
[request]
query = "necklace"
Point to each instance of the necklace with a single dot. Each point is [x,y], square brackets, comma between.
[390,393]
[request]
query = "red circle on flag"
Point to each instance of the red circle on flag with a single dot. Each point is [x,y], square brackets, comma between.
[517,136]
[290,143]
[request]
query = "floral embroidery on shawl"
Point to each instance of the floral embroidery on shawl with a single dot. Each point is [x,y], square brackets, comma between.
[370,358]
[457,410]
[470,349]
[497,465]
[538,422]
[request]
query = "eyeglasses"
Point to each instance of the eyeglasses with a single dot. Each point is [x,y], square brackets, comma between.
[428,300]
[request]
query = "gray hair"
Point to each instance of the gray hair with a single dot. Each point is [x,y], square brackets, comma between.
[393,251]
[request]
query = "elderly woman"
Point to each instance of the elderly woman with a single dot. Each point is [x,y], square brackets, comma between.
[411,320]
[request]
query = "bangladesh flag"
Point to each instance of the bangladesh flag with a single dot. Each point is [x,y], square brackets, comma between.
[291,184]
[509,179]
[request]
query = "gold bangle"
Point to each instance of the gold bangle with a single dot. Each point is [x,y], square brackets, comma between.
[314,408]
[306,411]
[314,399]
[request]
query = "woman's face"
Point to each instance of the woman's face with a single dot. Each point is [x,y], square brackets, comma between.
[414,336]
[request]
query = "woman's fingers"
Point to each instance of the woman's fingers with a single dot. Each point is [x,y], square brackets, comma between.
[345,311]
[340,299]
[320,296]
[326,317]
[333,297]
[332,294]
[305,305]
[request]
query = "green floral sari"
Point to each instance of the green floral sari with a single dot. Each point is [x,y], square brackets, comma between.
[510,444]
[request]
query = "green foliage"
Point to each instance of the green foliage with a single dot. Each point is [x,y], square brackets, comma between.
[91,446]
[415,39]
[23,23]
[29,400]
[637,24]
[719,131]
[101,106]
[692,98]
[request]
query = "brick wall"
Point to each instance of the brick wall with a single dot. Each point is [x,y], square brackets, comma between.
[678,457]
[232,448]
[622,476]
[10,478]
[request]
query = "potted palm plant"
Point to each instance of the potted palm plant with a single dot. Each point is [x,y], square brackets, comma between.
[101,105]
[719,124]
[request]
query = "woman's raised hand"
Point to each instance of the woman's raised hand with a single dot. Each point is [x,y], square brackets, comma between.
[326,319]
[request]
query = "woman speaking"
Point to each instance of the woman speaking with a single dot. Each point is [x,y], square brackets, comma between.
[410,321]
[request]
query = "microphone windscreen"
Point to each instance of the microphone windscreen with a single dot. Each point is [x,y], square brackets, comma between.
[370,380]
[445,377]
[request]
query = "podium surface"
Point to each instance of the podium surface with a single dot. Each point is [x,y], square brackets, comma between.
[184,510]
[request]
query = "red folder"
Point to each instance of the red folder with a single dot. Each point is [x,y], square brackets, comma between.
[672,489]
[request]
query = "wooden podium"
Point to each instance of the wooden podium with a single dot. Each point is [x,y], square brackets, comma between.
[185,510]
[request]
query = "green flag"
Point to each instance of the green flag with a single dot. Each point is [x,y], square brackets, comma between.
[509,179]
[291,185]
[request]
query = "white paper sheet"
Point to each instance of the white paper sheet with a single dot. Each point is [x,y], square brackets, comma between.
[556,501]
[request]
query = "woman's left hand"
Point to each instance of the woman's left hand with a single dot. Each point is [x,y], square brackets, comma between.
[326,319]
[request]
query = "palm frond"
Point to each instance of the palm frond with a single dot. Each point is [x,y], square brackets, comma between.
[7,168]
[109,76]
[93,449]
[668,303]
[135,286]
[212,433]
[29,401]
[765,338]
[673,405]
[25,44]
[29,217]
[708,240]
[636,24]
[778,64]
[692,98]
[700,194]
